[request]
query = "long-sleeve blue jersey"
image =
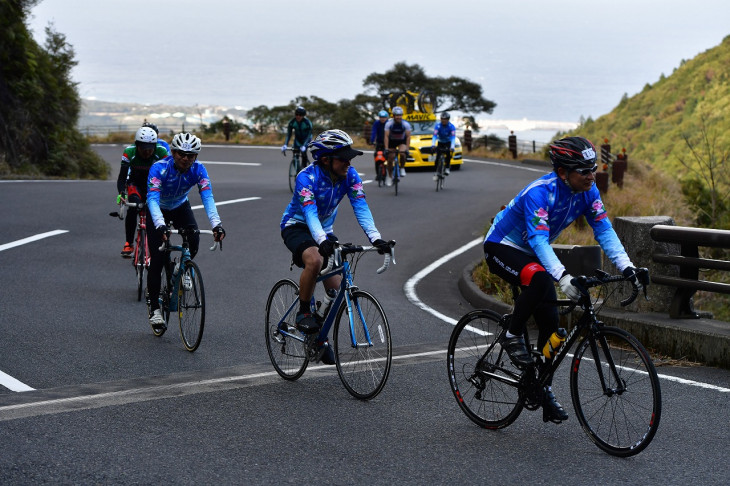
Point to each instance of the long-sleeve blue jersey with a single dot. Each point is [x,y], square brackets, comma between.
[168,189]
[316,199]
[542,210]
[444,134]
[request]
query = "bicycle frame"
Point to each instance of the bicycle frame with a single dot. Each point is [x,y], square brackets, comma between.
[347,286]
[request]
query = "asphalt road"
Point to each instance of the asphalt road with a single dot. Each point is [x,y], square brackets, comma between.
[107,402]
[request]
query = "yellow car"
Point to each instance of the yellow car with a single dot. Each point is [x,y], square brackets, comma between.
[421,135]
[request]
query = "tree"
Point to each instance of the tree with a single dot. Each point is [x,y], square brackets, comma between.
[39,104]
[450,94]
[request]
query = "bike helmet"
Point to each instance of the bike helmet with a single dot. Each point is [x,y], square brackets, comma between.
[152,126]
[445,115]
[572,153]
[300,111]
[332,142]
[383,113]
[397,111]
[186,142]
[145,138]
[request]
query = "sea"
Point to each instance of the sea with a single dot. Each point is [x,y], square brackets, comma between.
[546,65]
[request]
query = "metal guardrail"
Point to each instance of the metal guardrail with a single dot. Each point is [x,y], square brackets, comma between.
[689,262]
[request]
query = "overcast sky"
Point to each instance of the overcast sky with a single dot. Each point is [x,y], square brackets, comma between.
[537,59]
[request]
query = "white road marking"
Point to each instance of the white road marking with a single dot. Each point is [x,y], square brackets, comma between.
[223,203]
[31,239]
[12,384]
[207,162]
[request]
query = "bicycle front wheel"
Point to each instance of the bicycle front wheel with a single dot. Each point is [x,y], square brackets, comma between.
[284,343]
[191,306]
[615,390]
[139,261]
[439,171]
[292,175]
[363,349]
[482,377]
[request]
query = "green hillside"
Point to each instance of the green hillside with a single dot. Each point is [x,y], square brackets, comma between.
[651,124]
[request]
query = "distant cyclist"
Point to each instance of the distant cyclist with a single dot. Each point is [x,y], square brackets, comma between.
[160,141]
[132,179]
[301,127]
[306,226]
[397,138]
[445,136]
[517,247]
[170,180]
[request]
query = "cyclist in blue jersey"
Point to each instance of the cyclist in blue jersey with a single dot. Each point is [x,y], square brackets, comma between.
[445,136]
[306,226]
[377,135]
[160,141]
[517,247]
[301,127]
[169,182]
[397,138]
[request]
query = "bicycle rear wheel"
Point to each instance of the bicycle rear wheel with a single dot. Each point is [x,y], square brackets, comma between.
[483,379]
[286,350]
[363,364]
[139,262]
[191,306]
[615,390]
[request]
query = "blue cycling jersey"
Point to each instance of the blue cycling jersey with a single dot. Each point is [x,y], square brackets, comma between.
[378,132]
[397,131]
[444,134]
[162,143]
[316,199]
[168,189]
[542,210]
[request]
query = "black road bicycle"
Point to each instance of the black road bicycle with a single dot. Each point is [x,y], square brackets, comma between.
[613,382]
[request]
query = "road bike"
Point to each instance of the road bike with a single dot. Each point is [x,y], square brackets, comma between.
[361,333]
[141,254]
[295,166]
[397,168]
[182,290]
[440,176]
[613,383]
[381,171]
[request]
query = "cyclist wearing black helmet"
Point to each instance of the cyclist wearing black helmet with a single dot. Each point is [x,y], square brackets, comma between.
[302,129]
[306,226]
[445,136]
[517,247]
[160,141]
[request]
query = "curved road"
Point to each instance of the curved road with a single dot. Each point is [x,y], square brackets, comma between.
[105,401]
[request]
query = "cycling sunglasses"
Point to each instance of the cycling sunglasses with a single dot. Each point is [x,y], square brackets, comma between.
[586,171]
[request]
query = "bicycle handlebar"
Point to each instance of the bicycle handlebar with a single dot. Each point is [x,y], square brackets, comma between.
[166,244]
[583,283]
[344,249]
[126,204]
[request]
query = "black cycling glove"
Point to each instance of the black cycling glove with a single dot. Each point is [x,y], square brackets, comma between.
[382,246]
[327,248]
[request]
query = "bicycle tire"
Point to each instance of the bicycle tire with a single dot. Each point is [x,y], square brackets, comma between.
[287,353]
[396,174]
[439,171]
[139,262]
[491,401]
[292,175]
[363,368]
[621,423]
[191,306]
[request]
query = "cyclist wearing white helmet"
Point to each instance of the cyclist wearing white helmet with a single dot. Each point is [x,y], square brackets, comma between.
[301,127]
[517,247]
[160,140]
[397,137]
[170,180]
[306,226]
[132,179]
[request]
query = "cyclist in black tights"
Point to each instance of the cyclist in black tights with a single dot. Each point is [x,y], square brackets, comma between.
[517,247]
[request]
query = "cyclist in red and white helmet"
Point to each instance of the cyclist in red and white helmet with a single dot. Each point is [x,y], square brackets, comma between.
[307,224]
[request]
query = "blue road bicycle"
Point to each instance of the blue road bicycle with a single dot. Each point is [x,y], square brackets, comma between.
[182,291]
[361,334]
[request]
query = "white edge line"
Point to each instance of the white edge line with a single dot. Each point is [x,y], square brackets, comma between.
[255,164]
